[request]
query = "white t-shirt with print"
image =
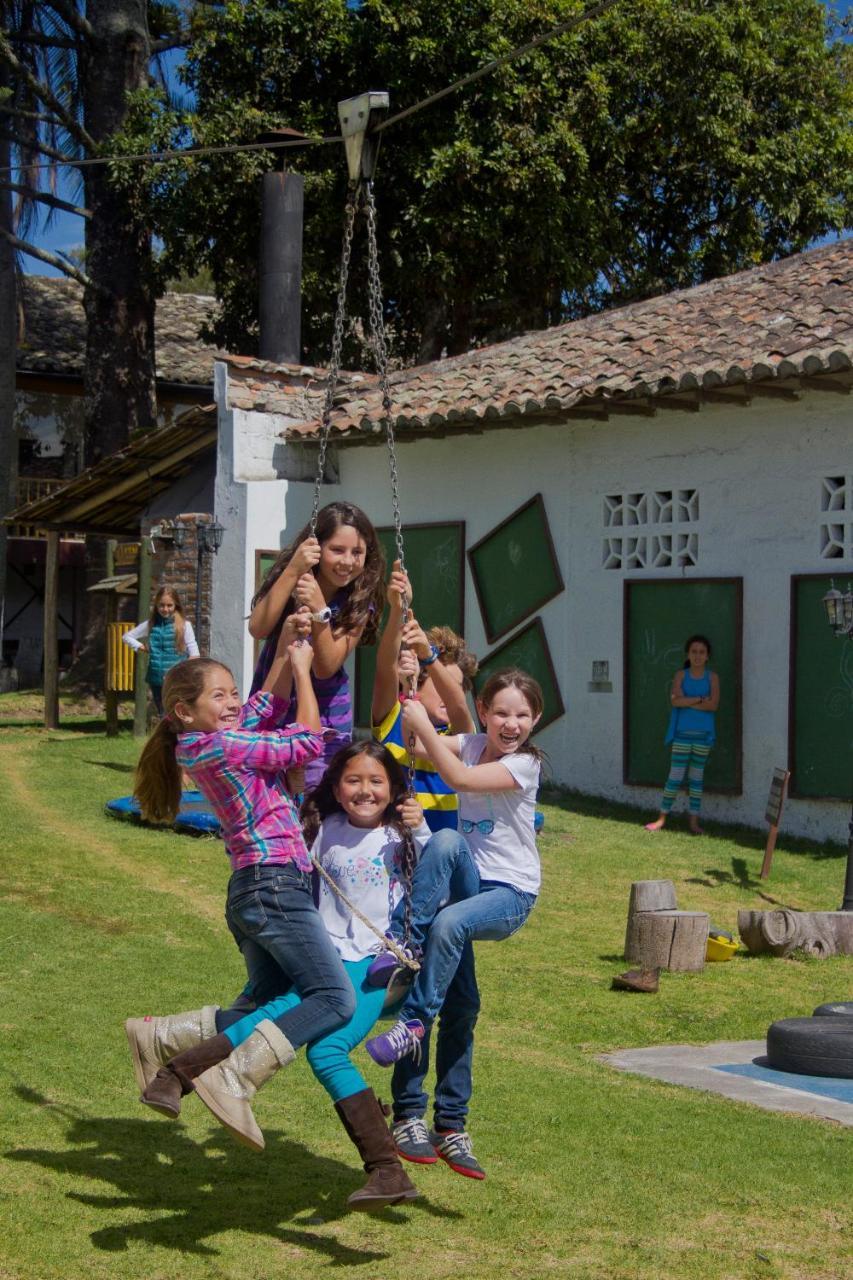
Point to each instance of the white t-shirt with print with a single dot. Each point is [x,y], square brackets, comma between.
[366,866]
[508,853]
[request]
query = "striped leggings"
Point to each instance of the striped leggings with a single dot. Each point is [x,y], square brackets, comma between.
[688,758]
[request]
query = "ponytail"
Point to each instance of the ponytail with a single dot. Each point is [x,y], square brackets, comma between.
[157,785]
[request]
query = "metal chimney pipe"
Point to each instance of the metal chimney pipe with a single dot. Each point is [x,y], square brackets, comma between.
[280,301]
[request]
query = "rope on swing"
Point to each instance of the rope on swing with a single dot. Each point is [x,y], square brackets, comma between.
[360,193]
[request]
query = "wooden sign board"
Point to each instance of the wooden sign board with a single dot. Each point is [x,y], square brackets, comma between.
[773,815]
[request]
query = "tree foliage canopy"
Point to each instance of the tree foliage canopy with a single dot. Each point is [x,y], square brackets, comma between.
[664,143]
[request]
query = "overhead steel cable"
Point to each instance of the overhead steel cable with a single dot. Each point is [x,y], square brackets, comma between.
[192,153]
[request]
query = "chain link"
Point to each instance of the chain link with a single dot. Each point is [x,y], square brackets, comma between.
[337,346]
[380,351]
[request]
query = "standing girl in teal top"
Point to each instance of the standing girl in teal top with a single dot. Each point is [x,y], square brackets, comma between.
[167,637]
[695,696]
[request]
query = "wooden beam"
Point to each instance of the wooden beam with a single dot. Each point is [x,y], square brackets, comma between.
[682,403]
[141,475]
[775,391]
[51,638]
[740,393]
[823,383]
[631,408]
[140,666]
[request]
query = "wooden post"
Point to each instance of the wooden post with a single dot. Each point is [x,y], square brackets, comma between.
[51,641]
[110,691]
[773,816]
[140,688]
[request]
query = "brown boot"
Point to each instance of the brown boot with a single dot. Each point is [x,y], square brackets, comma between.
[361,1116]
[645,980]
[173,1081]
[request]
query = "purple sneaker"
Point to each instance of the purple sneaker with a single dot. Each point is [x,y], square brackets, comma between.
[381,969]
[403,1038]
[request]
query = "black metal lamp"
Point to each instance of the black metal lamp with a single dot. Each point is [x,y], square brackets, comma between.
[179,535]
[210,536]
[833,604]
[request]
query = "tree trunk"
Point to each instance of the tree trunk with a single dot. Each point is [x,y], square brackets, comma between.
[815,933]
[119,377]
[674,940]
[8,342]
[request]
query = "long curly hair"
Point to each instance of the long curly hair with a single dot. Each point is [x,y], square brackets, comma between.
[322,803]
[365,597]
[178,619]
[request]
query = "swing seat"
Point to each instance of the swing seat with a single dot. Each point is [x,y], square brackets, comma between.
[193,819]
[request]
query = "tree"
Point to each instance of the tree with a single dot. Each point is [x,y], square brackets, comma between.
[73,67]
[665,143]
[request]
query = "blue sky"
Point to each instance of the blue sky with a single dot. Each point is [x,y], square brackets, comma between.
[65,232]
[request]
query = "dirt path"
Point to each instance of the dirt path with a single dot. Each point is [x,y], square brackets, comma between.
[16,763]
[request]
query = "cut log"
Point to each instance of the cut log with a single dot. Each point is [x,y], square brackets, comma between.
[652,895]
[816,933]
[674,940]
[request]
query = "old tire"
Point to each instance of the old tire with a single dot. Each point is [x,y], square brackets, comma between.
[843,1009]
[812,1046]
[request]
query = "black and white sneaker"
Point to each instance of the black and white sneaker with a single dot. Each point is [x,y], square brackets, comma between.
[455,1149]
[412,1141]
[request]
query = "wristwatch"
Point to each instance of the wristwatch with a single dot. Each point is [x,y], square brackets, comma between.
[322,615]
[433,654]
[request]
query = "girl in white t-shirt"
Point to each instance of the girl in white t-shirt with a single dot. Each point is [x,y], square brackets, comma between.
[367,833]
[487,873]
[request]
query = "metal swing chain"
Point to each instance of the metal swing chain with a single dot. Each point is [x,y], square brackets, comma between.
[337,347]
[380,349]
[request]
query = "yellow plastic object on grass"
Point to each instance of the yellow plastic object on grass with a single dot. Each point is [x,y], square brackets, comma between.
[720,948]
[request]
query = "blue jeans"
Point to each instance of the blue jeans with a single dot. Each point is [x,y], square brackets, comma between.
[454,1054]
[328,1057]
[271,913]
[476,910]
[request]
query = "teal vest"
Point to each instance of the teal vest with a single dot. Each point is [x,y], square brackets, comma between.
[162,651]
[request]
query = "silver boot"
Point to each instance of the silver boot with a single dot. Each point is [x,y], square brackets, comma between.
[228,1088]
[154,1041]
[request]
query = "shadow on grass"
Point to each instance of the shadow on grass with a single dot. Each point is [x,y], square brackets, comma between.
[95,727]
[112,764]
[198,1190]
[747,837]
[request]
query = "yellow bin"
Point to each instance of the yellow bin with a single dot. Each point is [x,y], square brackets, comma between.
[720,948]
[119,659]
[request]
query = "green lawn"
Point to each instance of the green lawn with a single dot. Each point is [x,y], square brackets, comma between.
[591,1173]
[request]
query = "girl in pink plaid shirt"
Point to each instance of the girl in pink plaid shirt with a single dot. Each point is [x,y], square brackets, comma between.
[238,757]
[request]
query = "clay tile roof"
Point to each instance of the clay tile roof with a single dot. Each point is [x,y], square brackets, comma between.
[781,320]
[53,336]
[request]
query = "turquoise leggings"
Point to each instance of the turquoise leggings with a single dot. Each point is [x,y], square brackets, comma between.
[329,1057]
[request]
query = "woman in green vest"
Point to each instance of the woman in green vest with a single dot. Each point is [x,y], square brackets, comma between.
[167,637]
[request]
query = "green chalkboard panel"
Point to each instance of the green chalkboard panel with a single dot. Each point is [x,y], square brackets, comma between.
[820,735]
[435,561]
[515,569]
[660,614]
[527,649]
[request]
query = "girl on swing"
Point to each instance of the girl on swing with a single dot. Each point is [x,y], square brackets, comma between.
[339,577]
[480,882]
[366,832]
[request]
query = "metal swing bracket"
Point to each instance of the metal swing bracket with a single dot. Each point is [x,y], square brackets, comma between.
[359,118]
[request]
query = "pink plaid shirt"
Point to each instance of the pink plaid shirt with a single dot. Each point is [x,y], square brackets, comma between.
[240,771]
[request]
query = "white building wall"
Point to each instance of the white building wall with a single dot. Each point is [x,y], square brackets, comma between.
[758,470]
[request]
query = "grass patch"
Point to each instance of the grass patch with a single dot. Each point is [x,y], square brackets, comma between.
[591,1173]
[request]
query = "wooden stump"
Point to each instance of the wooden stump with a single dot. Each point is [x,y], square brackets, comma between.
[817,933]
[673,940]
